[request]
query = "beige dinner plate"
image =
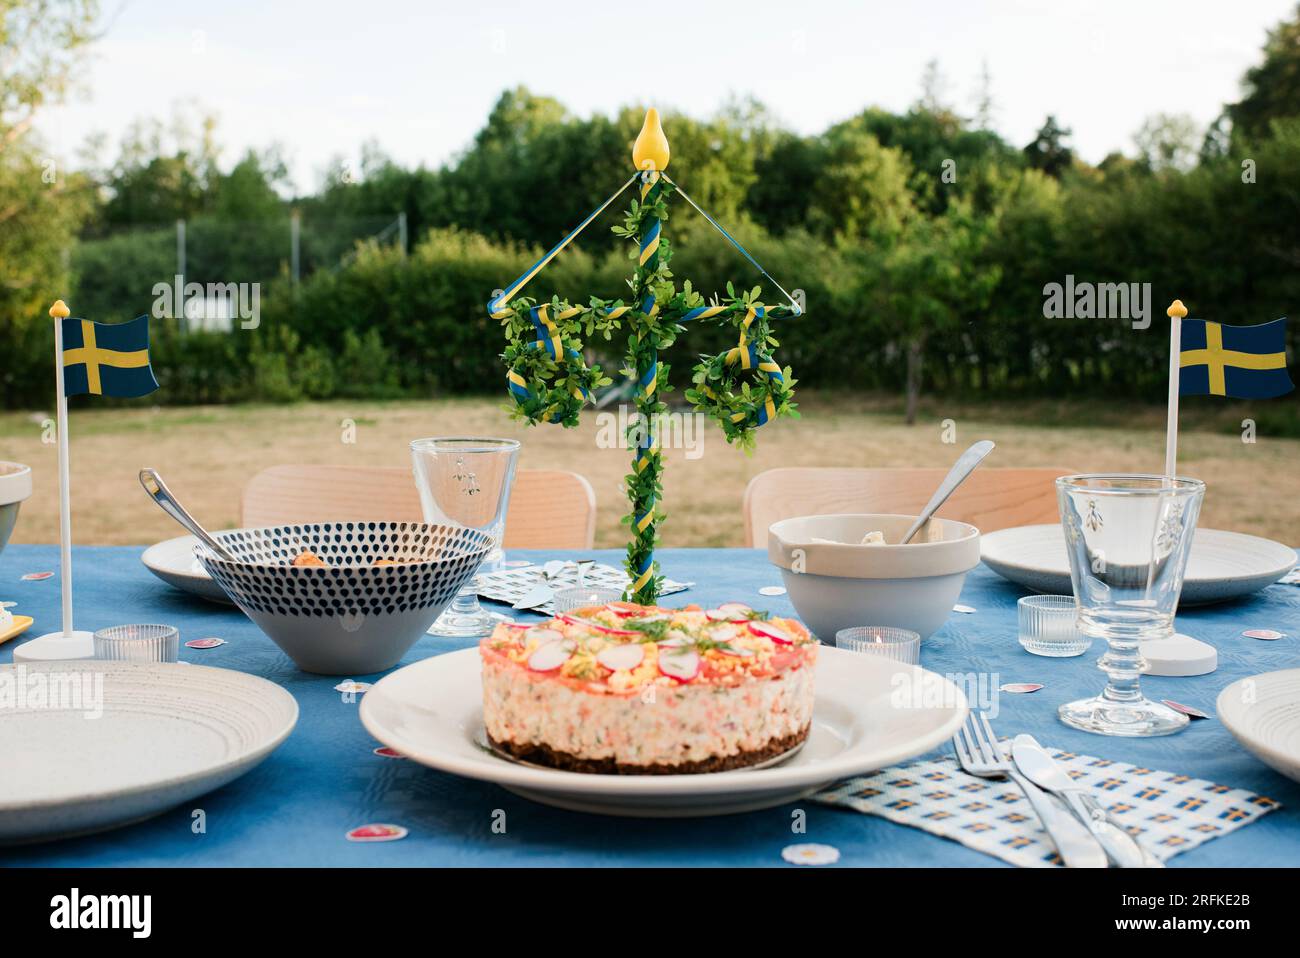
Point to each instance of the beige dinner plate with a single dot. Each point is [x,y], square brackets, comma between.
[173,561]
[1223,565]
[1263,713]
[93,745]
[870,713]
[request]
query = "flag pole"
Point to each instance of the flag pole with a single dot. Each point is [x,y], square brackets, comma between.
[67,643]
[1175,312]
[59,311]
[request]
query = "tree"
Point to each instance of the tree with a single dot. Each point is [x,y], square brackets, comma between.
[1048,151]
[1168,141]
[1271,89]
[861,187]
[41,205]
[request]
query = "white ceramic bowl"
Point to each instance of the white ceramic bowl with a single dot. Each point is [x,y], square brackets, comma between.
[836,585]
[15,486]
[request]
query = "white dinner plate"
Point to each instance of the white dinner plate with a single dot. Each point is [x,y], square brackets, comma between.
[864,719]
[1263,713]
[167,733]
[173,561]
[1223,565]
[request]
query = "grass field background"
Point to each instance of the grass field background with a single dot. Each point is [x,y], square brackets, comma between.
[207,453]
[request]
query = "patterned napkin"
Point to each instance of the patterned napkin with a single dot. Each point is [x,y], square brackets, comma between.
[1169,813]
[512,584]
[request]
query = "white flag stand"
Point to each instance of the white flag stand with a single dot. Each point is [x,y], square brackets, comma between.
[68,643]
[1179,654]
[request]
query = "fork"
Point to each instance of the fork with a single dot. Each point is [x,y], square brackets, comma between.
[980,755]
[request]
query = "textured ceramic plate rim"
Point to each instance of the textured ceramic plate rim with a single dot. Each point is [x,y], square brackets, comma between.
[999,536]
[486,767]
[196,582]
[251,755]
[1236,719]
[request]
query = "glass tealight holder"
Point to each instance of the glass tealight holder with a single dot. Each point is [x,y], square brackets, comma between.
[1049,625]
[897,645]
[566,600]
[138,643]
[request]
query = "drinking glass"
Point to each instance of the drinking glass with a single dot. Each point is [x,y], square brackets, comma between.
[1128,538]
[1049,625]
[138,643]
[898,645]
[466,482]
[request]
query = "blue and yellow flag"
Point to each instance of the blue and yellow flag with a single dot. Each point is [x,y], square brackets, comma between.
[107,359]
[1245,362]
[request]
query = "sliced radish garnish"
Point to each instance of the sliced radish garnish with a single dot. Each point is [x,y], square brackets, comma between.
[718,615]
[776,634]
[735,609]
[682,665]
[739,650]
[542,636]
[616,657]
[595,626]
[623,609]
[550,656]
[652,617]
[675,642]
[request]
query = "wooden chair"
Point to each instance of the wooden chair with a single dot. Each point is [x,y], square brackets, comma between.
[989,499]
[549,508]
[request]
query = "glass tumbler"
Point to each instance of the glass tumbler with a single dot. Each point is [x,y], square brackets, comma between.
[577,597]
[467,482]
[897,645]
[1049,625]
[138,643]
[1128,539]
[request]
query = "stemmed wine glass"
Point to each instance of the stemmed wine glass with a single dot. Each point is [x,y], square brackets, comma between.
[466,482]
[1128,538]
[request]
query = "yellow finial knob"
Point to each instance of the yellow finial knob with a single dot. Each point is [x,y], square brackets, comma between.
[1176,308]
[650,152]
[60,310]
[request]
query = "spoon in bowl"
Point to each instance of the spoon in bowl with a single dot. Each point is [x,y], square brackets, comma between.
[159,493]
[962,468]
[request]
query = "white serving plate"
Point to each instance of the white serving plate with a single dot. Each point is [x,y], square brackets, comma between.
[1263,713]
[432,713]
[1223,565]
[168,733]
[174,562]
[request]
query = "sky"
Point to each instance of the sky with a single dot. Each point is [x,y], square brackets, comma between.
[321,78]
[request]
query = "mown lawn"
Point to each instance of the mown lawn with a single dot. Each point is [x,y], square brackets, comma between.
[207,453]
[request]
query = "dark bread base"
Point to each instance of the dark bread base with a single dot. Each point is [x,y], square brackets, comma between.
[545,755]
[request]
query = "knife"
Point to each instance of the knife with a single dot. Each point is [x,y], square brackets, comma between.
[542,591]
[1122,849]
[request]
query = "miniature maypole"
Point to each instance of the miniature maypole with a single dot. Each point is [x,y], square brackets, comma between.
[742,389]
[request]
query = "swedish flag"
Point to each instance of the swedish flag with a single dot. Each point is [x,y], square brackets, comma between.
[1245,362]
[107,359]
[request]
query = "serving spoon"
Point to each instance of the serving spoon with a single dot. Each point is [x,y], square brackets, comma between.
[962,468]
[159,493]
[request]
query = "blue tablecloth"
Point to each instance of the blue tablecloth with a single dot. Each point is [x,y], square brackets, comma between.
[296,807]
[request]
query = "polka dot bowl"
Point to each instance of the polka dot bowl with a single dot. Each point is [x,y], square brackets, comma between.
[352,616]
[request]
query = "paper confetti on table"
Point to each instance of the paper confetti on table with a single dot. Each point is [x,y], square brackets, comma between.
[965,609]
[772,590]
[37,576]
[351,687]
[1190,711]
[1019,688]
[1169,813]
[1268,635]
[511,585]
[387,752]
[811,854]
[377,833]
[210,643]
